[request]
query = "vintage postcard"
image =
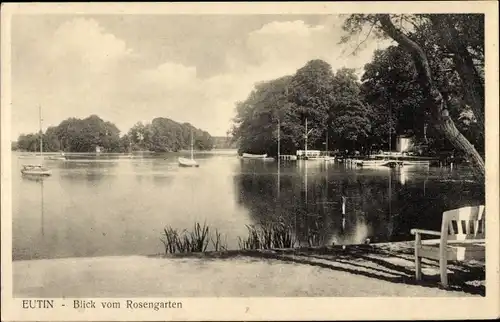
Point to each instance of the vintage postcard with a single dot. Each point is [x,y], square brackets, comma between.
[249,161]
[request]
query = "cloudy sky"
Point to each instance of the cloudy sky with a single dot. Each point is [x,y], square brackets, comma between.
[190,68]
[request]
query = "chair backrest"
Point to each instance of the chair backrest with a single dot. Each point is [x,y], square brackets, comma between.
[464,223]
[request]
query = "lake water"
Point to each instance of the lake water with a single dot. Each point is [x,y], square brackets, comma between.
[118,206]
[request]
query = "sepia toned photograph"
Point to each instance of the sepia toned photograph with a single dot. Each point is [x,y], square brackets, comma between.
[247,155]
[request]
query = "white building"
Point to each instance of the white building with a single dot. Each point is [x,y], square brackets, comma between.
[309,154]
[404,143]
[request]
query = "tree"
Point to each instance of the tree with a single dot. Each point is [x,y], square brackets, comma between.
[349,117]
[28,142]
[256,122]
[167,135]
[463,36]
[75,135]
[311,91]
[391,89]
[140,136]
[51,141]
[84,135]
[392,92]
[433,99]
[125,143]
[331,104]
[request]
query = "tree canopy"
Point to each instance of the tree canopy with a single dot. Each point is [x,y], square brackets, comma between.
[447,58]
[84,135]
[430,85]
[329,102]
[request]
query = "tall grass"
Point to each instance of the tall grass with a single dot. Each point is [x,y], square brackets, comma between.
[196,240]
[217,243]
[260,236]
[268,236]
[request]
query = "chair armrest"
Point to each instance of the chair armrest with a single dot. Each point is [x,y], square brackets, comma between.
[425,232]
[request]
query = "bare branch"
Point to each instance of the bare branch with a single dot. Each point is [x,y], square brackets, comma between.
[364,40]
[407,19]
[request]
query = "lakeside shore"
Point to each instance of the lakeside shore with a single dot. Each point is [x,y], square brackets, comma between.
[384,269]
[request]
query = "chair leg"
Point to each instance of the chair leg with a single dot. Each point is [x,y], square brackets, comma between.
[443,263]
[418,267]
[418,259]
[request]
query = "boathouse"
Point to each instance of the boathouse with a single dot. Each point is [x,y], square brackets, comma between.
[308,153]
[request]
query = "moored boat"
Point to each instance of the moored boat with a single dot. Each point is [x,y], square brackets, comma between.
[184,162]
[417,162]
[35,170]
[253,156]
[316,158]
[378,163]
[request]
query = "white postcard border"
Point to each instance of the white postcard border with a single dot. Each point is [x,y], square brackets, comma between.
[270,308]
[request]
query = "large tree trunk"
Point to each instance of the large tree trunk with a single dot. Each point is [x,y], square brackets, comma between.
[472,81]
[434,100]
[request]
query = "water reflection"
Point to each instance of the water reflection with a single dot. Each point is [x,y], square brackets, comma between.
[37,180]
[91,207]
[339,204]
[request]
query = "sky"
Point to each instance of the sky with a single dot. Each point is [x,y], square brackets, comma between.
[189,68]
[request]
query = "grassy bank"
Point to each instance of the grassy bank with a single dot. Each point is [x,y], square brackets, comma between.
[202,238]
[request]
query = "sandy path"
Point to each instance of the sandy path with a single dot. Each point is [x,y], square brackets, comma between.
[138,276]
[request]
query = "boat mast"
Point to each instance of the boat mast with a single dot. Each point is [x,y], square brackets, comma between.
[279,138]
[192,144]
[305,155]
[40,124]
[326,145]
[390,128]
[279,155]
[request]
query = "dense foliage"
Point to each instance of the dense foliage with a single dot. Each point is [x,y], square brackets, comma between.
[446,67]
[390,80]
[329,102]
[433,91]
[84,135]
[223,142]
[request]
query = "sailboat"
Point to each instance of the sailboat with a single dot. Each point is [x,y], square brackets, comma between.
[37,169]
[184,162]
[312,155]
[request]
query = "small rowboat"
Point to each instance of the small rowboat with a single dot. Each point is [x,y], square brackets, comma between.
[183,162]
[253,156]
[35,170]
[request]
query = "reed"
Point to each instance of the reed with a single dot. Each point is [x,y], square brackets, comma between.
[268,236]
[261,236]
[199,238]
[171,239]
[217,243]
[196,240]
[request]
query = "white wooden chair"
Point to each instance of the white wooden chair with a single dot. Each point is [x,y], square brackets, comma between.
[462,238]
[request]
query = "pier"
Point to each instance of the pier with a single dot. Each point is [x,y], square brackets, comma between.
[288,157]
